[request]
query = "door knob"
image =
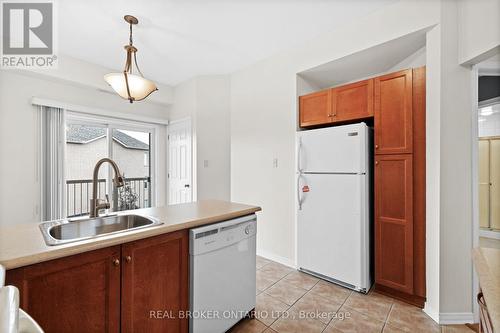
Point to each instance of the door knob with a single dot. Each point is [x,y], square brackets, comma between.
[186,186]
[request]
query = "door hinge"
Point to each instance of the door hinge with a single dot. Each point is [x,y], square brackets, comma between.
[168,137]
[168,175]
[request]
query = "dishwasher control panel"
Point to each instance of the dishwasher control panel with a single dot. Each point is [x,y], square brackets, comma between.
[221,234]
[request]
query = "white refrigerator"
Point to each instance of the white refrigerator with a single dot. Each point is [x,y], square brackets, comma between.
[334,204]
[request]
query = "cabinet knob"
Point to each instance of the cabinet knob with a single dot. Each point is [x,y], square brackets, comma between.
[376,146]
[128,258]
[330,115]
[376,162]
[116,262]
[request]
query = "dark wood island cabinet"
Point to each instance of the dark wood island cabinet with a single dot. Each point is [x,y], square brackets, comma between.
[115,289]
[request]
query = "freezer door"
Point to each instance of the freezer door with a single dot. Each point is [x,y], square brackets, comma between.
[341,149]
[333,228]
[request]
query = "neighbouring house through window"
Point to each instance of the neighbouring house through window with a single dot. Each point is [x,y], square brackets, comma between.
[128,144]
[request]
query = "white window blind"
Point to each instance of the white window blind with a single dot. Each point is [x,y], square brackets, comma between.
[53,143]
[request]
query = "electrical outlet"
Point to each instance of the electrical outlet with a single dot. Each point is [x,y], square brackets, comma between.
[275,162]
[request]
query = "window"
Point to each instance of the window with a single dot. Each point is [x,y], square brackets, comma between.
[129,144]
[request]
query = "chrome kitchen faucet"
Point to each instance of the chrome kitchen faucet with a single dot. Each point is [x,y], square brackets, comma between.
[97,204]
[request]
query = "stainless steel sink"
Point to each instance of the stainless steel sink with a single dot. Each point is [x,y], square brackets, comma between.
[66,231]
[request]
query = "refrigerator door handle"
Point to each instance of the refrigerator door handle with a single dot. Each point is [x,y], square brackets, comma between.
[299,198]
[299,155]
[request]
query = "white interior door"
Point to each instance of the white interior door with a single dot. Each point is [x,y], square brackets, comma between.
[180,162]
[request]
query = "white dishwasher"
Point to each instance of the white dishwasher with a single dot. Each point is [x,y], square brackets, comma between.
[222,274]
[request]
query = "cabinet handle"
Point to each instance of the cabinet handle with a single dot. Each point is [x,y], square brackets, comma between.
[128,258]
[116,262]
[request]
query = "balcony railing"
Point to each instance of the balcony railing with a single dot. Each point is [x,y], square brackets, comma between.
[135,194]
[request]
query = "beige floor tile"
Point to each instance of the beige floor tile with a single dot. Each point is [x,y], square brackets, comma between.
[301,280]
[266,279]
[261,262]
[354,322]
[293,324]
[331,291]
[248,326]
[391,329]
[277,270]
[456,329]
[270,330]
[285,292]
[330,329]
[316,307]
[373,305]
[411,319]
[269,309]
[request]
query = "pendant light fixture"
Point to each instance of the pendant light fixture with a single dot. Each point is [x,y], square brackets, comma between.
[131,84]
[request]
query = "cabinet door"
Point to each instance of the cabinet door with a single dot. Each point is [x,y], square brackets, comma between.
[495,184]
[393,113]
[155,284]
[353,101]
[80,293]
[315,108]
[394,222]
[484,183]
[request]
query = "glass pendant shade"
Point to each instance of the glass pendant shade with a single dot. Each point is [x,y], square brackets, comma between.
[127,84]
[139,87]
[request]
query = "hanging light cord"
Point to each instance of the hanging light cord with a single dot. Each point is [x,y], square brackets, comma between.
[131,49]
[130,36]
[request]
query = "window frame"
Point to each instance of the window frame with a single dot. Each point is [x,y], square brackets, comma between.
[111,123]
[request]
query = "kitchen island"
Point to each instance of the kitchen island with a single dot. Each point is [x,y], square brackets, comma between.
[112,283]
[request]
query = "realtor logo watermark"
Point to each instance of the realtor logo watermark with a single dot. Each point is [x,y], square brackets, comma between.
[28,35]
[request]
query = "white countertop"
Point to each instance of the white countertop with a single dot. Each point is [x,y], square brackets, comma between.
[487,264]
[23,244]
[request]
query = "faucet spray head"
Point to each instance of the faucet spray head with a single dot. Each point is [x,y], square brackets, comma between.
[118,180]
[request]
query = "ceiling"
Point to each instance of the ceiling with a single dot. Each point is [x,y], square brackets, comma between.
[367,63]
[180,39]
[490,66]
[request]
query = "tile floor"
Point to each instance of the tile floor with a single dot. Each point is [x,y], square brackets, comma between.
[290,301]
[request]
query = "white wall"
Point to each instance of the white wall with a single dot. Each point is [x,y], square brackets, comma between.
[206,100]
[417,59]
[479,29]
[433,170]
[263,112]
[456,172]
[19,137]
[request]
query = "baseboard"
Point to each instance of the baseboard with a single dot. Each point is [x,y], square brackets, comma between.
[431,312]
[489,234]
[279,259]
[456,318]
